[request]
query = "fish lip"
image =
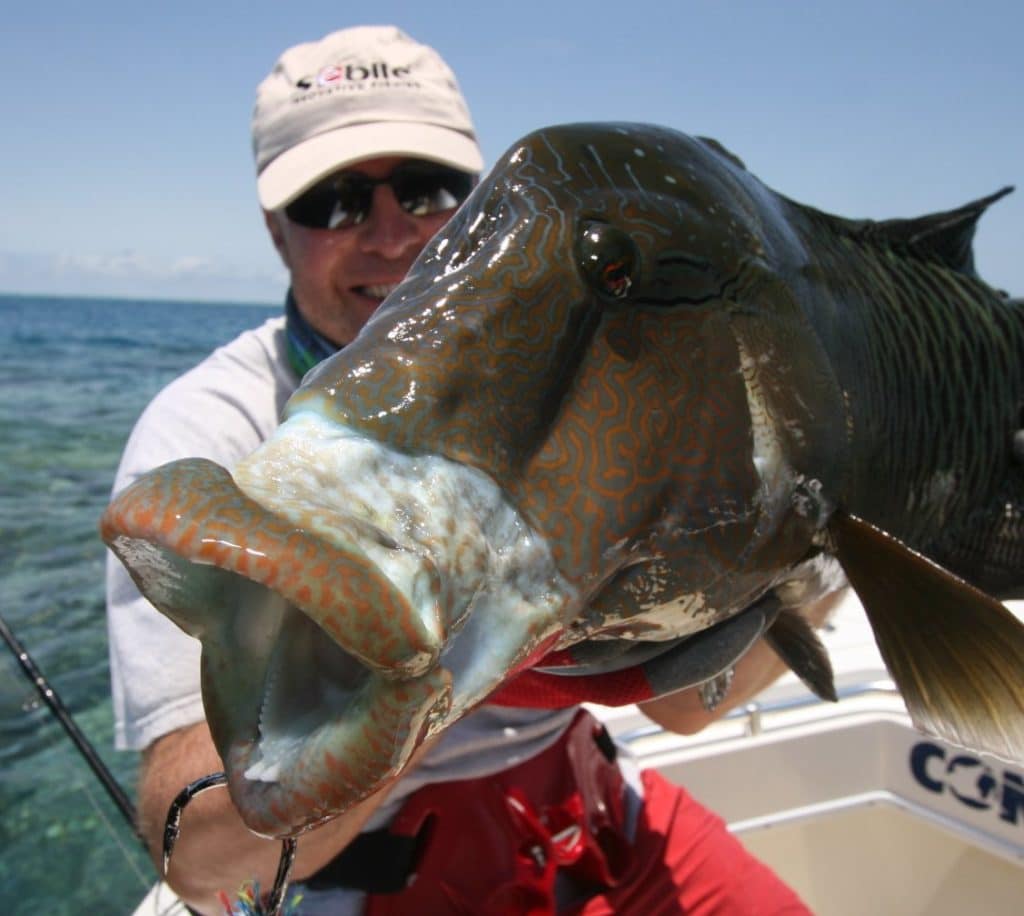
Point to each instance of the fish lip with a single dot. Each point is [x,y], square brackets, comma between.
[190,533]
[332,583]
[279,784]
[269,773]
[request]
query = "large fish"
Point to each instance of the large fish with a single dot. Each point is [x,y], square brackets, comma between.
[629,409]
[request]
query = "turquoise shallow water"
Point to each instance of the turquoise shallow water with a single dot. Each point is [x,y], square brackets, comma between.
[74,375]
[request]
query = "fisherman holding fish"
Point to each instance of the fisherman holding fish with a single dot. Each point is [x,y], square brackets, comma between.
[364,148]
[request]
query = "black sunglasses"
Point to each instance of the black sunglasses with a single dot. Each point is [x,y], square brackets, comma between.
[344,199]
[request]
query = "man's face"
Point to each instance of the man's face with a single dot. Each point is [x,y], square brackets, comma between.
[340,276]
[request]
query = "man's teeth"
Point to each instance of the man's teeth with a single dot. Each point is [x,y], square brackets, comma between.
[378,290]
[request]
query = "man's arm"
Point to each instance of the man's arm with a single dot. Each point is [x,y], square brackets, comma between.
[683,711]
[215,850]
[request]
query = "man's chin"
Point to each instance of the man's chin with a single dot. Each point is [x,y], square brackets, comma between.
[346,318]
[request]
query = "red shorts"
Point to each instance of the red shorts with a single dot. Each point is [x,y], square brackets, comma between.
[554,835]
[686,861]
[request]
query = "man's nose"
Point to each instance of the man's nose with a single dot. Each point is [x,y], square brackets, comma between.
[388,230]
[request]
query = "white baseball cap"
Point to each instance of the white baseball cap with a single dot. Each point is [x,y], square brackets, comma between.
[356,94]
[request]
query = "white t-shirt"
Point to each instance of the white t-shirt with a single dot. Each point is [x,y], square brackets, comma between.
[222,410]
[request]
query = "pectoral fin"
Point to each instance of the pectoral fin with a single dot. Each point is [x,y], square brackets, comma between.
[796,643]
[956,654]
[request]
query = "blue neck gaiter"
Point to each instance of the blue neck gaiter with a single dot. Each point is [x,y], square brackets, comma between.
[306,347]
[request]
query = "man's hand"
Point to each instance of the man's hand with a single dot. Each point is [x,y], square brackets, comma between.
[215,850]
[683,711]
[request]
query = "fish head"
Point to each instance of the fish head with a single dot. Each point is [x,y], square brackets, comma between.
[610,330]
[593,411]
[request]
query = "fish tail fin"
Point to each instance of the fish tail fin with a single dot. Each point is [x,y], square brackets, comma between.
[956,654]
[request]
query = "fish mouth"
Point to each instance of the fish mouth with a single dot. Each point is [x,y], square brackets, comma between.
[353,600]
[334,642]
[309,713]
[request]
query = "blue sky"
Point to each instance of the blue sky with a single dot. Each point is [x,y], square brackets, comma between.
[124,157]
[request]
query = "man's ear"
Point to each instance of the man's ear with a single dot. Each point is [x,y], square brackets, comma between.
[273,224]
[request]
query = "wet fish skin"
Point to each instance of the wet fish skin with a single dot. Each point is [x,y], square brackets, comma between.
[630,365]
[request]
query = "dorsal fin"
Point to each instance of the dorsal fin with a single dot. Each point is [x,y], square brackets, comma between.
[943,237]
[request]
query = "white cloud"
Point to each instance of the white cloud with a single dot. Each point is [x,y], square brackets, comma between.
[134,264]
[135,274]
[191,265]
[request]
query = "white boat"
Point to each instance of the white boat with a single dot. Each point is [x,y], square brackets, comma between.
[854,808]
[851,806]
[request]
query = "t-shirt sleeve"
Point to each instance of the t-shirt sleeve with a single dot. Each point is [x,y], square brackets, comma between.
[221,410]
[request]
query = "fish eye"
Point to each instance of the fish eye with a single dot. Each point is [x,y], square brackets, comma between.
[608,258]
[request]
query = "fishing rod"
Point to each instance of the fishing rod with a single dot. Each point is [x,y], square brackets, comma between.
[52,699]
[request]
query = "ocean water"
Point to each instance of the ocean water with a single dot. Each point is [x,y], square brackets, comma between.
[74,375]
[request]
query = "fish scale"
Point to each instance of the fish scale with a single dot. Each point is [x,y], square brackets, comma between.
[947,344]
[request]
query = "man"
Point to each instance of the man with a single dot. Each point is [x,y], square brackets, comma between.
[364,147]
